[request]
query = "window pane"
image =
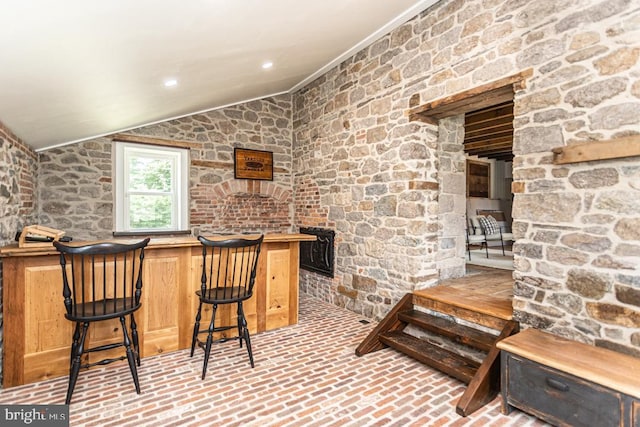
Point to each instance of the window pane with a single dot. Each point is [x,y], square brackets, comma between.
[149,174]
[149,211]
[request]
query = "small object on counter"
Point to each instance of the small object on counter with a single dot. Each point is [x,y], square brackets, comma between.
[39,235]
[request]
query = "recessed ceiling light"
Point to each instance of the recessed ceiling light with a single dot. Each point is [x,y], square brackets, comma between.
[170,82]
[267,65]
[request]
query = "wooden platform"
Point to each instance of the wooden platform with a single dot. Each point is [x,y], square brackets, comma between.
[489,292]
[454,337]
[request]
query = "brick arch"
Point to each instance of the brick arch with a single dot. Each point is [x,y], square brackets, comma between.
[244,186]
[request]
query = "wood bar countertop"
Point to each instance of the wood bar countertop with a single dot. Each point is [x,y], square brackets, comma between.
[156,242]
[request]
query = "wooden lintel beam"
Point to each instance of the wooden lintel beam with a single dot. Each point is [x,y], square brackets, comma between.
[485,100]
[423,118]
[141,139]
[212,164]
[471,99]
[628,146]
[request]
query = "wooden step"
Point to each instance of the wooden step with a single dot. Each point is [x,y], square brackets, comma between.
[437,357]
[454,331]
[453,302]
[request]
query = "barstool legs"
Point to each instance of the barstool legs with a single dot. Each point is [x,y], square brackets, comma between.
[207,348]
[244,332]
[196,328]
[76,360]
[131,358]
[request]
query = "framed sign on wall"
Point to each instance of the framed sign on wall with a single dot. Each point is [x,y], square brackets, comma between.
[252,164]
[478,179]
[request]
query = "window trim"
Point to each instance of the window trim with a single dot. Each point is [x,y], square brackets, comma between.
[181,212]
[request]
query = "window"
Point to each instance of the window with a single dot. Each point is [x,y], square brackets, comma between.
[152,188]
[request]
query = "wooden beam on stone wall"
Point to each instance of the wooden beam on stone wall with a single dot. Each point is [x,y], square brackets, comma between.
[141,139]
[493,93]
[224,165]
[211,164]
[628,146]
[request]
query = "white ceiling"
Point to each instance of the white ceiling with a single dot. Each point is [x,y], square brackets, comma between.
[75,69]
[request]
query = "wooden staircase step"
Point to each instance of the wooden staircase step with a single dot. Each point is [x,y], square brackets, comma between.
[489,317]
[463,303]
[454,331]
[440,358]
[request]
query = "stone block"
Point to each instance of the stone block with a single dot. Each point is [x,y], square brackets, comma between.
[566,256]
[539,53]
[586,243]
[532,320]
[386,206]
[614,314]
[548,208]
[615,116]
[620,202]
[594,178]
[569,303]
[596,93]
[537,139]
[628,295]
[349,293]
[618,61]
[628,229]
[362,283]
[588,284]
[537,101]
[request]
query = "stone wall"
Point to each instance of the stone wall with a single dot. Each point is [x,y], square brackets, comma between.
[19,166]
[377,176]
[76,191]
[18,171]
[452,199]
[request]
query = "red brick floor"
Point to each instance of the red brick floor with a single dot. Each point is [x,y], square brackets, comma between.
[305,375]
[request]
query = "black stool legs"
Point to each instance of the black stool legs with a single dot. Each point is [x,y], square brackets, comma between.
[77,349]
[196,328]
[243,334]
[131,357]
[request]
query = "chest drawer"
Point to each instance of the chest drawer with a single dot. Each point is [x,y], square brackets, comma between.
[561,398]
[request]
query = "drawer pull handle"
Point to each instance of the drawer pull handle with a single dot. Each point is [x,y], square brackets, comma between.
[558,385]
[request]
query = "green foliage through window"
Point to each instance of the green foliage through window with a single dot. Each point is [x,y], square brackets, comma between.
[148,211]
[148,174]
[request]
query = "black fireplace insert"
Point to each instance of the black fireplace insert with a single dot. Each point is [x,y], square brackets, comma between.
[317,256]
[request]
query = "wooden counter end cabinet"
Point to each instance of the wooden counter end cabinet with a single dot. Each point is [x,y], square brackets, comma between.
[569,383]
[37,337]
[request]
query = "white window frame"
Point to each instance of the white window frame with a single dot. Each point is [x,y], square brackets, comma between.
[180,196]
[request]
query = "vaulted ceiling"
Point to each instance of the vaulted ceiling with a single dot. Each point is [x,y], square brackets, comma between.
[76,69]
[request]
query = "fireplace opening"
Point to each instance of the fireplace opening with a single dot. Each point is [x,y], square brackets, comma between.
[317,256]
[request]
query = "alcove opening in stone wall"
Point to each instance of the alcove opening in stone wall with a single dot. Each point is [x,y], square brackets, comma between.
[484,117]
[488,139]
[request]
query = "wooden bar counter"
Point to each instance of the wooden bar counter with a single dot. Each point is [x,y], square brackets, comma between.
[37,337]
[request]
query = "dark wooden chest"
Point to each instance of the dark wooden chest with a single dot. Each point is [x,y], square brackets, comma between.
[567,383]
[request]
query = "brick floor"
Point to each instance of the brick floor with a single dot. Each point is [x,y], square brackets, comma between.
[304,375]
